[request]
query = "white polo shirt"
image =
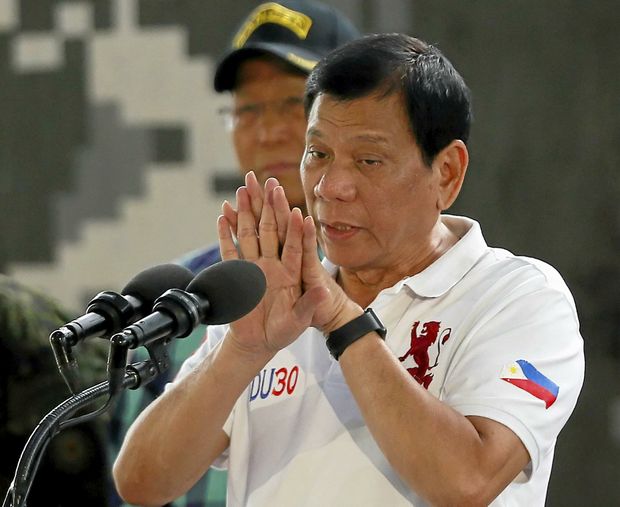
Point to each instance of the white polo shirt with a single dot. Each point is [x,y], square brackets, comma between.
[488,333]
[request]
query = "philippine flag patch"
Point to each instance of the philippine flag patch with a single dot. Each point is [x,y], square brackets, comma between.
[525,376]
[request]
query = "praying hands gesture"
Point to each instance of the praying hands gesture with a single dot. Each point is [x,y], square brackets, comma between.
[300,293]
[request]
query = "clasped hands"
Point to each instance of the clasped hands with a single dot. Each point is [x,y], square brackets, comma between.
[300,293]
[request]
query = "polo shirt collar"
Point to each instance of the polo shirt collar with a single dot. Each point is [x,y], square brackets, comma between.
[450,268]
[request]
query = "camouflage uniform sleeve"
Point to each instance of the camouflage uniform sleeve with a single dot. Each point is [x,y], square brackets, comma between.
[26,320]
[31,386]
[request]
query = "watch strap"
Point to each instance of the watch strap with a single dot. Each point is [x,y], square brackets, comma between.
[339,339]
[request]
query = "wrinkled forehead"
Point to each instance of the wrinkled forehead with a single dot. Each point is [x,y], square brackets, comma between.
[369,109]
[372,120]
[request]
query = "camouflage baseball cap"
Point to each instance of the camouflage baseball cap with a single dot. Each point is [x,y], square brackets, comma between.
[300,32]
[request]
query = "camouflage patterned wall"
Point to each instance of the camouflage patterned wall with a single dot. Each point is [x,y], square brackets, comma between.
[104,105]
[111,152]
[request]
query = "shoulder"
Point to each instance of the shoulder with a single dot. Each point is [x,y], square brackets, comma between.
[199,259]
[528,275]
[28,316]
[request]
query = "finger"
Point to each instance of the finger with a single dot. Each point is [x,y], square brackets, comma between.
[255,191]
[228,250]
[268,231]
[231,215]
[246,227]
[312,270]
[292,249]
[270,184]
[282,211]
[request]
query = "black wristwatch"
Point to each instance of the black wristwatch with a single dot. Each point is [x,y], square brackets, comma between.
[341,338]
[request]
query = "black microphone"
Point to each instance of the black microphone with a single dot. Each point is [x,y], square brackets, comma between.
[221,293]
[109,312]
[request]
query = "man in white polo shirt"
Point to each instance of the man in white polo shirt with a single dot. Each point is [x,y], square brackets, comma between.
[416,365]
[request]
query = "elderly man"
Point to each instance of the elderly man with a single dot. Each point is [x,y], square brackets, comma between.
[265,71]
[415,365]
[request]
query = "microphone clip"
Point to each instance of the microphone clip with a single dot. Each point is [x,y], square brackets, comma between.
[65,361]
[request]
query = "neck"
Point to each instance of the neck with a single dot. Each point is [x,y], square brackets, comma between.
[363,285]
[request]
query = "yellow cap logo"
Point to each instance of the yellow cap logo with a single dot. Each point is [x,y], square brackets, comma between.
[272,12]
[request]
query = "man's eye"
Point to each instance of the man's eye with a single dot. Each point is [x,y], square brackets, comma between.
[370,162]
[317,154]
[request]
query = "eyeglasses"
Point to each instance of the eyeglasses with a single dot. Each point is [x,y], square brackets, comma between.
[247,115]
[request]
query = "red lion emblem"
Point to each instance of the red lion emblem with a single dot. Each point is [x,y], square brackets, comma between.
[419,350]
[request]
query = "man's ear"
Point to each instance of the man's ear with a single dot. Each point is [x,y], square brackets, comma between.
[451,165]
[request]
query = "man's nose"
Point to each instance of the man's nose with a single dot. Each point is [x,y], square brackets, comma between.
[272,126]
[337,183]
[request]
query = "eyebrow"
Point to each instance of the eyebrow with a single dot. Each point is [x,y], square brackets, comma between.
[314,132]
[372,138]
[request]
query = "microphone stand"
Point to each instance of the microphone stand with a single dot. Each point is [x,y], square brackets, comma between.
[59,418]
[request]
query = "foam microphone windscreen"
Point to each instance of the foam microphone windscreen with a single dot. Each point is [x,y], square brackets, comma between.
[151,283]
[232,288]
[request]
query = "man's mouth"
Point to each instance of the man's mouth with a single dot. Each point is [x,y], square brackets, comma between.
[338,231]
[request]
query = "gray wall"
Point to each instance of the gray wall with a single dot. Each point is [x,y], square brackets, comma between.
[106,115]
[544,181]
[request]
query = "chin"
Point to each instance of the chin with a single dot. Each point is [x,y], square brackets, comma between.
[342,258]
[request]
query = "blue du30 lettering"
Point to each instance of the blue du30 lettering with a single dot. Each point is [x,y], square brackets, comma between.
[258,385]
[263,384]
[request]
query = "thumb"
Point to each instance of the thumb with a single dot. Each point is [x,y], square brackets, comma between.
[306,305]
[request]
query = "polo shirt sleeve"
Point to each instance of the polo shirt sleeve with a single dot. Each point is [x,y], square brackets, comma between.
[521,363]
[214,336]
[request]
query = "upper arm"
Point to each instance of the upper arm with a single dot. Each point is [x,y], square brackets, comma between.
[504,455]
[491,377]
